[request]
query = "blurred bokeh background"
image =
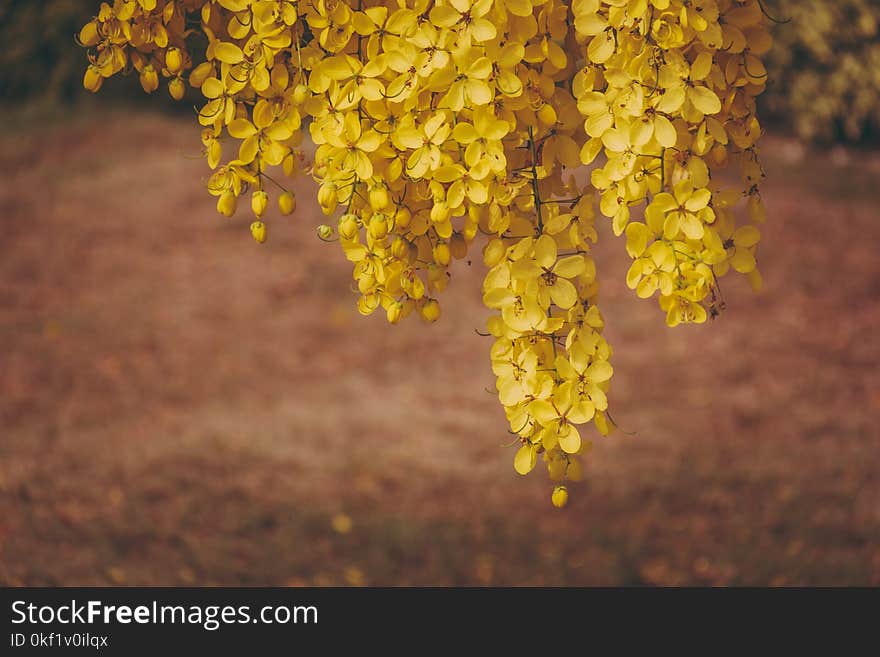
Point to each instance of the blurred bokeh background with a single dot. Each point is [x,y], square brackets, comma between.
[179,405]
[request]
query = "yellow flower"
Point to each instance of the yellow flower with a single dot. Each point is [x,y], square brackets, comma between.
[425,142]
[687,91]
[468,84]
[741,251]
[230,178]
[439,121]
[220,108]
[331,21]
[680,310]
[275,11]
[344,68]
[261,139]
[476,27]
[353,147]
[559,418]
[646,275]
[685,210]
[587,374]
[547,276]
[485,152]
[517,375]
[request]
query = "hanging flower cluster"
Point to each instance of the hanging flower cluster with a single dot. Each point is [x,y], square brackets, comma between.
[438,121]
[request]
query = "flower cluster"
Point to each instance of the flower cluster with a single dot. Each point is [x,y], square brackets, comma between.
[825,67]
[438,121]
[667,91]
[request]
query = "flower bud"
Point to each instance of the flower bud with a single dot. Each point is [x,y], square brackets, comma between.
[394,312]
[287,203]
[400,248]
[402,217]
[173,60]
[327,197]
[348,226]
[176,88]
[201,73]
[437,276]
[379,198]
[368,303]
[547,115]
[88,36]
[440,213]
[378,226]
[92,79]
[226,204]
[559,497]
[300,94]
[149,79]
[430,310]
[441,253]
[259,202]
[493,252]
[258,230]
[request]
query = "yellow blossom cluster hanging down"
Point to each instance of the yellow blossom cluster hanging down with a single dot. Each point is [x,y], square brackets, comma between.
[440,121]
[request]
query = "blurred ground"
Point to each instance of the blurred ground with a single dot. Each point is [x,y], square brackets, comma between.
[179,405]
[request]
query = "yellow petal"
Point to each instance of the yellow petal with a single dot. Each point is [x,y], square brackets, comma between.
[569,439]
[525,459]
[636,239]
[743,261]
[212,88]
[600,371]
[746,236]
[601,48]
[482,30]
[563,293]
[248,150]
[241,129]
[444,16]
[570,267]
[370,141]
[543,412]
[698,200]
[704,100]
[665,132]
[480,69]
[545,251]
[228,53]
[465,133]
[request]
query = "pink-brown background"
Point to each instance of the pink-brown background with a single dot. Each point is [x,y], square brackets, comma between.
[179,405]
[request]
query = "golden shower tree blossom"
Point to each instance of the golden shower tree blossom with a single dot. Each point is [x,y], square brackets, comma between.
[439,123]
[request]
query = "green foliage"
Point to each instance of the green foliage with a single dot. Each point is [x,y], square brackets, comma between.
[825,68]
[41,59]
[40,56]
